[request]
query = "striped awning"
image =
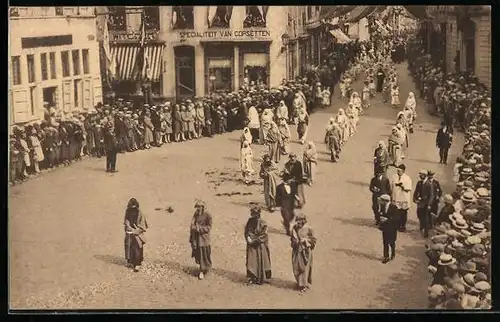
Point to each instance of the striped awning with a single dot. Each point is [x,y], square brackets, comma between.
[125,56]
[340,36]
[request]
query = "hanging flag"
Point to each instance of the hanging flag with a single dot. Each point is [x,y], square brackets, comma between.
[109,61]
[139,62]
[212,11]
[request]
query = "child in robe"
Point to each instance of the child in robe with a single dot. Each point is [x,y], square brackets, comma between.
[395,96]
[365,95]
[285,135]
[326,97]
[246,162]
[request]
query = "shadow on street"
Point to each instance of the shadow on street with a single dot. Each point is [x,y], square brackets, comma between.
[355,253]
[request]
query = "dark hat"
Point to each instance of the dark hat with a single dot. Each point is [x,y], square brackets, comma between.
[255,211]
[402,167]
[430,173]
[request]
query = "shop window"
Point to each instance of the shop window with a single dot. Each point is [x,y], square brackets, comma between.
[65,63]
[117,18]
[152,18]
[16,70]
[75,55]
[255,16]
[43,65]
[85,61]
[183,17]
[221,16]
[219,74]
[31,68]
[255,68]
[52,62]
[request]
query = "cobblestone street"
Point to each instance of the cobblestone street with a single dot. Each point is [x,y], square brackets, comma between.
[66,227]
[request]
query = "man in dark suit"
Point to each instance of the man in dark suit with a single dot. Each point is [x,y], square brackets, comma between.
[379,185]
[389,221]
[380,79]
[437,192]
[293,168]
[423,197]
[285,198]
[111,144]
[444,138]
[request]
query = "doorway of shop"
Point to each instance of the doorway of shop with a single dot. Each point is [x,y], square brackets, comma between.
[184,72]
[50,96]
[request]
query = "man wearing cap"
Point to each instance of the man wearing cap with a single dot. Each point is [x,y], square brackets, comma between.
[389,222]
[444,139]
[111,144]
[401,194]
[379,185]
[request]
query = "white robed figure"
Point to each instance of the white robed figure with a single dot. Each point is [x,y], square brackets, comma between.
[343,122]
[246,162]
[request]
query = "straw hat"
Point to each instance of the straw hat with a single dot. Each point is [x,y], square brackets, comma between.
[446,260]
[473,240]
[468,197]
[482,286]
[460,224]
[477,227]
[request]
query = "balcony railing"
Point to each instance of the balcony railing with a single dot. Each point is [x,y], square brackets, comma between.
[36,12]
[122,36]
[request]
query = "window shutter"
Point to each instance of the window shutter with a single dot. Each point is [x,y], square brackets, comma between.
[97,93]
[87,94]
[67,99]
[21,106]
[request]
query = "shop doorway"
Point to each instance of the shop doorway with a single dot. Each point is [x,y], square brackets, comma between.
[50,96]
[184,72]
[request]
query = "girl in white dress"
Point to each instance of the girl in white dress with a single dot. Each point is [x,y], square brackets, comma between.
[395,96]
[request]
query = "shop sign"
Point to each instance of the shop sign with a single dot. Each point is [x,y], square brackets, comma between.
[222,34]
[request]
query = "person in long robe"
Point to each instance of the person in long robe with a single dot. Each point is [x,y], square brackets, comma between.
[177,124]
[281,111]
[298,104]
[269,173]
[356,102]
[310,162]
[394,147]
[353,117]
[136,225]
[395,96]
[294,168]
[246,162]
[303,124]
[148,130]
[285,136]
[254,123]
[380,78]
[200,120]
[273,142]
[403,136]
[285,199]
[326,97]
[342,121]
[303,243]
[333,140]
[365,95]
[246,135]
[258,256]
[199,238]
[380,158]
[265,125]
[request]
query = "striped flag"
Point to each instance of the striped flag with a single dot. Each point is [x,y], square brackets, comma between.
[110,60]
[139,62]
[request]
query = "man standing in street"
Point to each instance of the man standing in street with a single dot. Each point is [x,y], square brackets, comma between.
[380,79]
[424,198]
[436,193]
[389,221]
[444,138]
[401,197]
[111,145]
[379,185]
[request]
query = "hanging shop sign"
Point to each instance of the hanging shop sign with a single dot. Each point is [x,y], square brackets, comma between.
[245,34]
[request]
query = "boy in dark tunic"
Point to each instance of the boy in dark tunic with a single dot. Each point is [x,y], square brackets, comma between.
[199,238]
[258,258]
[389,221]
[135,226]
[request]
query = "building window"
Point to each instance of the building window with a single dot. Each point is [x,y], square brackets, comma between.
[52,60]
[85,61]
[43,63]
[255,16]
[255,67]
[75,55]
[59,11]
[219,74]
[16,70]
[152,18]
[183,17]
[33,100]
[117,18]
[31,68]
[65,63]
[221,17]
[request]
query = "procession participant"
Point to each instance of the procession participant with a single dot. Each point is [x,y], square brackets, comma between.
[254,123]
[380,158]
[285,136]
[265,125]
[356,102]
[395,96]
[281,111]
[423,196]
[365,95]
[401,187]
[386,90]
[178,124]
[293,167]
[199,238]
[326,97]
[111,146]
[437,192]
[379,185]
[343,122]
[402,126]
[411,103]
[372,87]
[303,124]
[136,226]
[246,161]
[394,147]
[353,117]
[317,96]
[343,86]
[273,142]
[299,103]
[303,243]
[380,78]
[268,172]
[310,162]
[333,140]
[444,139]
[389,220]
[148,129]
[285,199]
[258,257]
[245,136]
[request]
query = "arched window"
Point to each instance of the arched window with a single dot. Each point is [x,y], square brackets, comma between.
[183,17]
[117,18]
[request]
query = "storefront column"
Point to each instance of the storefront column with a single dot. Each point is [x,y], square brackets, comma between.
[236,68]
[199,63]
[38,97]
[168,72]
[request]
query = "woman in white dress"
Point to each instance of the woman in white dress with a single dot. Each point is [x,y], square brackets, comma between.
[356,102]
[253,123]
[353,115]
[281,111]
[246,162]
[343,122]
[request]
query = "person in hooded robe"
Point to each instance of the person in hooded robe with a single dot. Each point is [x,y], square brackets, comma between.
[258,256]
[380,78]
[273,142]
[293,168]
[303,243]
[394,147]
[303,124]
[199,238]
[297,105]
[245,136]
[253,123]
[411,106]
[395,96]
[136,225]
[269,173]
[343,121]
[281,111]
[380,158]
[365,95]
[403,134]
[326,97]
[356,102]
[285,136]
[265,125]
[352,114]
[310,162]
[333,139]
[246,162]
